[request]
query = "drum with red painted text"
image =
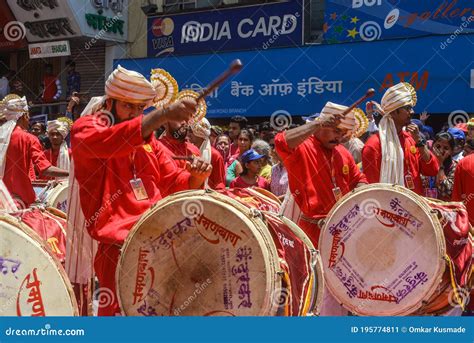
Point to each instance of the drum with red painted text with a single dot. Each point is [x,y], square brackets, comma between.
[217,253]
[387,251]
[33,281]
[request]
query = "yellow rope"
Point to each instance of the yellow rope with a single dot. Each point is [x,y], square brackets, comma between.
[287,282]
[457,297]
[307,300]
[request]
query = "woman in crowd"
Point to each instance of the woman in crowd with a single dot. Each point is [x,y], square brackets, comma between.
[441,186]
[244,142]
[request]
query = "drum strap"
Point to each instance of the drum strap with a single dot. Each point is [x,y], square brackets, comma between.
[318,221]
[454,285]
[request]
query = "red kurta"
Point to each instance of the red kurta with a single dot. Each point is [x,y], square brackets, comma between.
[23,151]
[105,161]
[413,163]
[463,189]
[178,148]
[217,177]
[309,176]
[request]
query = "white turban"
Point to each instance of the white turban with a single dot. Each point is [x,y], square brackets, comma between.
[15,108]
[60,125]
[348,122]
[402,94]
[129,86]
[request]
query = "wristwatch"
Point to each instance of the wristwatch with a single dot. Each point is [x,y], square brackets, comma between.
[421,143]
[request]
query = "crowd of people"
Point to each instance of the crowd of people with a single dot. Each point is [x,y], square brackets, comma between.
[147,157]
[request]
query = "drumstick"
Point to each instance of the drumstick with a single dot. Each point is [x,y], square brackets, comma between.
[370,93]
[234,68]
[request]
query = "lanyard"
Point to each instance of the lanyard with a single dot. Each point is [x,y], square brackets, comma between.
[132,163]
[331,166]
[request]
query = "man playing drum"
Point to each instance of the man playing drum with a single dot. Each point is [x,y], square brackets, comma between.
[320,170]
[122,170]
[393,155]
[20,150]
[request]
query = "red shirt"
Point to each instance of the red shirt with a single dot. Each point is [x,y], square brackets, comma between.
[50,88]
[105,159]
[179,148]
[23,151]
[240,183]
[217,177]
[309,173]
[414,164]
[463,189]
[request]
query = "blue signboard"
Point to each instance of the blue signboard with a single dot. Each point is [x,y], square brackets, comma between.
[243,28]
[301,80]
[369,20]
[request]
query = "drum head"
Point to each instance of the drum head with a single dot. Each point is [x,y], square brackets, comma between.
[33,282]
[382,251]
[57,197]
[198,253]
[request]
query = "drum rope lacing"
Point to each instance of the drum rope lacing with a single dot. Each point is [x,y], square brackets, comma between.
[454,284]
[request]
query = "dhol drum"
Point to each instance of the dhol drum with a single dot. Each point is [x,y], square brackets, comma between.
[33,282]
[387,251]
[211,253]
[52,193]
[50,224]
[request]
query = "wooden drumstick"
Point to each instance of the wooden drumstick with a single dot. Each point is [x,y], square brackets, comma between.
[234,68]
[370,93]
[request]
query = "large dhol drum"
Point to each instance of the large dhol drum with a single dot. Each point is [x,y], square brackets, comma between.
[203,253]
[33,282]
[387,251]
